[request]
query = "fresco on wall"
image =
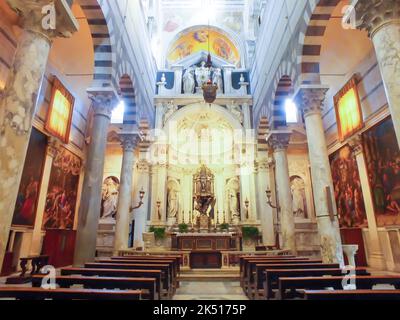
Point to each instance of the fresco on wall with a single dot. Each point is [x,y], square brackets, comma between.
[197,41]
[62,192]
[382,158]
[347,189]
[109,199]
[28,194]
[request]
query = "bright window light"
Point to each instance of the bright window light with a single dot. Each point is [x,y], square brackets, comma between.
[291,111]
[118,113]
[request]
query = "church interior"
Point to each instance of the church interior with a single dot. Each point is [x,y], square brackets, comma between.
[200,150]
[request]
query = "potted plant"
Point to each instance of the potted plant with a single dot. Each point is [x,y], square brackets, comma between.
[224,227]
[183,228]
[250,237]
[159,234]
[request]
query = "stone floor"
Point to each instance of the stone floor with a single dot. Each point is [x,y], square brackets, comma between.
[214,290]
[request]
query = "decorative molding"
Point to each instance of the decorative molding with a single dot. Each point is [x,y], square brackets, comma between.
[311,99]
[279,140]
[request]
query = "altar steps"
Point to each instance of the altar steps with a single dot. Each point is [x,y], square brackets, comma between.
[210,275]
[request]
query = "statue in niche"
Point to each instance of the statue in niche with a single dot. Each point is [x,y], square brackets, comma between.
[233,206]
[217,79]
[202,75]
[236,111]
[173,205]
[188,81]
[109,203]
[297,187]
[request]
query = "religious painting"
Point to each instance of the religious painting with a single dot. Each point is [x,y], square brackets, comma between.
[109,199]
[197,41]
[348,110]
[347,189]
[62,191]
[382,156]
[59,116]
[28,193]
[298,189]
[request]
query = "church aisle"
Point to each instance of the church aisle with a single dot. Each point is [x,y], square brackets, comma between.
[213,290]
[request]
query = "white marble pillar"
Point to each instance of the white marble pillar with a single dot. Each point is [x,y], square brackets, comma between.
[382,21]
[128,143]
[20,95]
[246,116]
[228,89]
[376,258]
[310,99]
[178,72]
[162,191]
[279,142]
[265,211]
[140,214]
[103,102]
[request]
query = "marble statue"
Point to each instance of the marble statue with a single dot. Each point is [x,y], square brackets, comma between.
[172,203]
[217,79]
[202,75]
[109,198]
[233,206]
[169,110]
[236,111]
[188,81]
[298,194]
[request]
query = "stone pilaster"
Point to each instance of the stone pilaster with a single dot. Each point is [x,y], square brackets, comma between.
[103,102]
[128,142]
[381,18]
[375,256]
[279,142]
[310,99]
[20,98]
[140,214]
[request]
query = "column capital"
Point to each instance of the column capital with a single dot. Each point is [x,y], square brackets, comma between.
[279,140]
[310,98]
[372,15]
[143,166]
[47,18]
[356,144]
[265,164]
[104,100]
[129,141]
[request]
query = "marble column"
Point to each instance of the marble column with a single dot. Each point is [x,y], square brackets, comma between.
[381,18]
[103,102]
[265,211]
[279,142]
[51,152]
[128,143]
[310,99]
[20,96]
[375,256]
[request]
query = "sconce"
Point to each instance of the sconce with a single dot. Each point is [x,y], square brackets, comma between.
[246,203]
[158,209]
[141,196]
[269,195]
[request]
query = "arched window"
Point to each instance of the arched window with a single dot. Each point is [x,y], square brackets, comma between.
[291,111]
[118,113]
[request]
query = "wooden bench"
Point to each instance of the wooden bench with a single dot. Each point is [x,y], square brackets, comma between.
[117,273]
[166,278]
[347,295]
[21,293]
[37,263]
[272,276]
[320,283]
[178,259]
[65,282]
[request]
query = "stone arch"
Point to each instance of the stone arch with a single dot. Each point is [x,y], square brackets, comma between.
[103,41]
[310,42]
[128,96]
[262,132]
[283,91]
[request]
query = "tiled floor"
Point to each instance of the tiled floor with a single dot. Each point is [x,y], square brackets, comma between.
[202,290]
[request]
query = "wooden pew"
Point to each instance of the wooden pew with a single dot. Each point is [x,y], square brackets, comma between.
[243,259]
[167,274]
[21,293]
[256,284]
[177,258]
[116,273]
[272,276]
[320,283]
[347,295]
[65,282]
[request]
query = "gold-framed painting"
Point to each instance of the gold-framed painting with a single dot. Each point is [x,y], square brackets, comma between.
[348,110]
[59,115]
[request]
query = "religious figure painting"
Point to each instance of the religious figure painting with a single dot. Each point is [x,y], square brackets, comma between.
[62,192]
[26,205]
[382,156]
[109,199]
[347,189]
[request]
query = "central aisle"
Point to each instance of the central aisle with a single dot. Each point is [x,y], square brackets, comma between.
[213,290]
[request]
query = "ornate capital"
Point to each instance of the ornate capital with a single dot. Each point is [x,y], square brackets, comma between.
[311,99]
[48,18]
[143,166]
[264,164]
[356,144]
[104,100]
[279,140]
[129,141]
[372,15]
